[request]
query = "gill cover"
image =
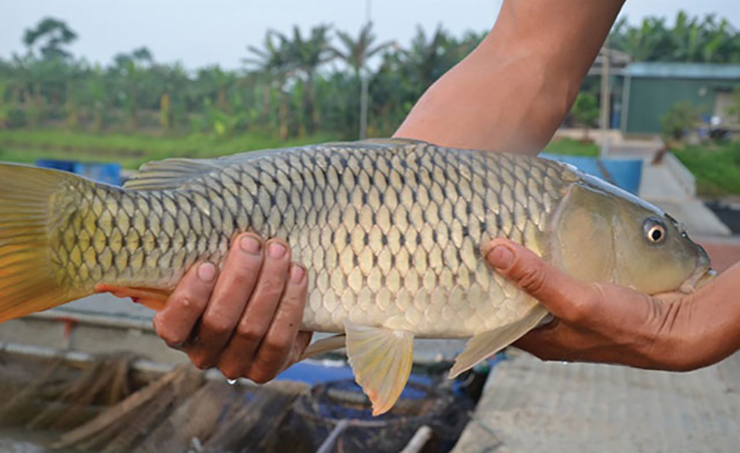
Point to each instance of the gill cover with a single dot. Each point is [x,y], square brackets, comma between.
[603,234]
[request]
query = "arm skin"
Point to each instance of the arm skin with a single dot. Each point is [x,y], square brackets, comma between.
[513,91]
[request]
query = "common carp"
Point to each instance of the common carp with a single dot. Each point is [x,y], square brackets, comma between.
[389,231]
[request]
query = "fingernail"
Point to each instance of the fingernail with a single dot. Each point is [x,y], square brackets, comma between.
[207,272]
[501,257]
[296,273]
[250,245]
[277,250]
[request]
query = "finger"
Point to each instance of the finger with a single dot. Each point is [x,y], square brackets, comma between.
[548,343]
[275,350]
[186,305]
[233,289]
[302,340]
[239,354]
[564,297]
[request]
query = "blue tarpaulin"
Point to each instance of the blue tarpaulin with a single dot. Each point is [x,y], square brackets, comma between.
[623,173]
[102,172]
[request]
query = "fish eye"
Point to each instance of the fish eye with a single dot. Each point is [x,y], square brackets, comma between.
[655,231]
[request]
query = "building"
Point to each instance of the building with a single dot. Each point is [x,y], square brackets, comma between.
[649,90]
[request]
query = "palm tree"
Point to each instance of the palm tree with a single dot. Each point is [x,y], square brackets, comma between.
[55,33]
[650,41]
[429,58]
[306,55]
[356,54]
[271,64]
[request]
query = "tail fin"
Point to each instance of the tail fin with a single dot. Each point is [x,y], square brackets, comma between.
[28,277]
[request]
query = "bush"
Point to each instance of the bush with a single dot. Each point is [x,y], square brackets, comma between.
[679,119]
[16,119]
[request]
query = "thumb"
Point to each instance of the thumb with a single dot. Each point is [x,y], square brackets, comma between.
[563,296]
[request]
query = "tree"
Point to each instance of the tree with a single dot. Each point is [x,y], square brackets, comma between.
[129,69]
[356,54]
[306,55]
[679,119]
[54,33]
[734,108]
[691,39]
[586,111]
[271,64]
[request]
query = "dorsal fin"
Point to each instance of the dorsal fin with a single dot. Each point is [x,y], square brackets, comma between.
[171,173]
[372,142]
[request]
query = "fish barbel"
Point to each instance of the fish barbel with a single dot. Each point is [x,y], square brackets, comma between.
[389,231]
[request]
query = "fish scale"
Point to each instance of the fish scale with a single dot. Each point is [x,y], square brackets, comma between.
[387,232]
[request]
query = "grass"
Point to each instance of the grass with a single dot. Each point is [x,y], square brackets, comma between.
[131,150]
[571,147]
[717,168]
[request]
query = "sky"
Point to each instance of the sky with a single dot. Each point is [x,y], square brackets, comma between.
[200,33]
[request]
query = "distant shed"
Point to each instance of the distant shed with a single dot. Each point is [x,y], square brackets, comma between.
[650,89]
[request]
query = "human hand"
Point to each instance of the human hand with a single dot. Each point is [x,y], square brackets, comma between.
[597,322]
[244,321]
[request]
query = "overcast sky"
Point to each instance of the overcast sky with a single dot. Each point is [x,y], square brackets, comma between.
[199,33]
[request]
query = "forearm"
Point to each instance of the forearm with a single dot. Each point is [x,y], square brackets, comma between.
[515,89]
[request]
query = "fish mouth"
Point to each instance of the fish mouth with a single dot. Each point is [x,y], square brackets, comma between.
[699,279]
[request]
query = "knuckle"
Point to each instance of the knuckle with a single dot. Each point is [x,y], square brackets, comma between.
[278,347]
[231,371]
[166,334]
[250,332]
[532,279]
[200,361]
[579,312]
[582,309]
[217,324]
[259,375]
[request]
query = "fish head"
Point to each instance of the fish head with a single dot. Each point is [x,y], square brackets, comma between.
[604,234]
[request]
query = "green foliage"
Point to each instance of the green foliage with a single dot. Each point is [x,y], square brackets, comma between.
[54,33]
[691,39]
[586,109]
[679,119]
[570,147]
[717,170]
[734,108]
[286,89]
[131,150]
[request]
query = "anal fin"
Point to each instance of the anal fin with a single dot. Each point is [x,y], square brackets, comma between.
[154,299]
[381,359]
[488,343]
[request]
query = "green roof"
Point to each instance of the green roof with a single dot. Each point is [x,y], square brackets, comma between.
[684,71]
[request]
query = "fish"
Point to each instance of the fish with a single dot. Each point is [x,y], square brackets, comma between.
[389,229]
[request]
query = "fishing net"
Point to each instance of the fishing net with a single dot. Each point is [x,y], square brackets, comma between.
[317,414]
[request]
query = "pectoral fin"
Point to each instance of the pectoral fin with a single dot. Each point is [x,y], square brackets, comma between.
[381,360]
[488,343]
